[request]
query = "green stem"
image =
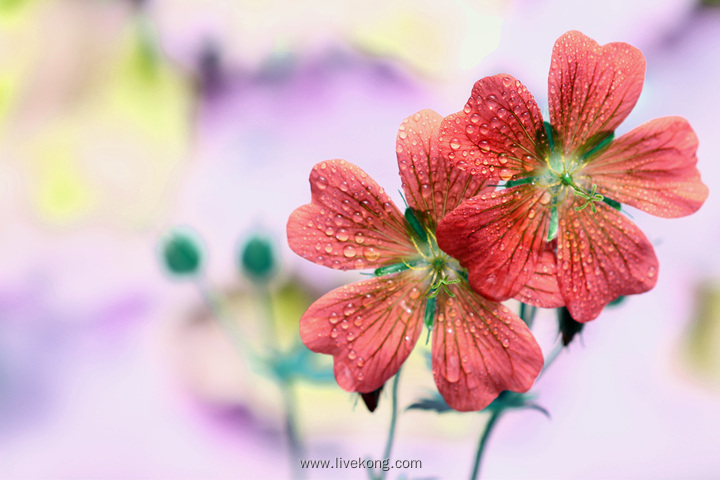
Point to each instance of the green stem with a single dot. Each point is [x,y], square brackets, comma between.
[527,314]
[295,445]
[214,303]
[296,448]
[393,423]
[551,357]
[483,441]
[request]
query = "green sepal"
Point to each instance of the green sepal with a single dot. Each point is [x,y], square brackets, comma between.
[568,326]
[617,301]
[616,205]
[549,135]
[513,400]
[394,268]
[430,307]
[415,224]
[602,145]
[520,181]
[554,224]
[435,403]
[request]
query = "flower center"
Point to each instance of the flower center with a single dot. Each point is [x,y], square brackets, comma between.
[437,271]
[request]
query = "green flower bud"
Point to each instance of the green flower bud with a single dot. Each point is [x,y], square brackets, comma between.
[181,252]
[257,258]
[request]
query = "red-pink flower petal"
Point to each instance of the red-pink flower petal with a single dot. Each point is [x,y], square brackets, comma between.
[480,349]
[369,327]
[592,88]
[430,183]
[652,168]
[498,134]
[498,237]
[542,290]
[351,222]
[601,256]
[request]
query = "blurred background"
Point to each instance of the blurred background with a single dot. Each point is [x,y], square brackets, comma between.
[125,125]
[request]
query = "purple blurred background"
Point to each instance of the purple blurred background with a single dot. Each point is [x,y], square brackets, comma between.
[120,120]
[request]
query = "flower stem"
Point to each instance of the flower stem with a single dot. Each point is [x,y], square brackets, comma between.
[483,441]
[393,423]
[296,448]
[295,445]
[551,357]
[527,314]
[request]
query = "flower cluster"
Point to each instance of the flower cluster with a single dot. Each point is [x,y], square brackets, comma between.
[501,204]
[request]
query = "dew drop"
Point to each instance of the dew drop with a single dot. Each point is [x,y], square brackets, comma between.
[349,251]
[342,235]
[349,309]
[371,254]
[321,182]
[454,144]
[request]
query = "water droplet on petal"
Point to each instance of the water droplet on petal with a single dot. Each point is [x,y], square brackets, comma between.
[321,182]
[349,251]
[349,309]
[371,254]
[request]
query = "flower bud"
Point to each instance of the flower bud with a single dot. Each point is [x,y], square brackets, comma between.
[257,258]
[181,252]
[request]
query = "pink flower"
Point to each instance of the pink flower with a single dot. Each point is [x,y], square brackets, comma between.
[567,178]
[479,347]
